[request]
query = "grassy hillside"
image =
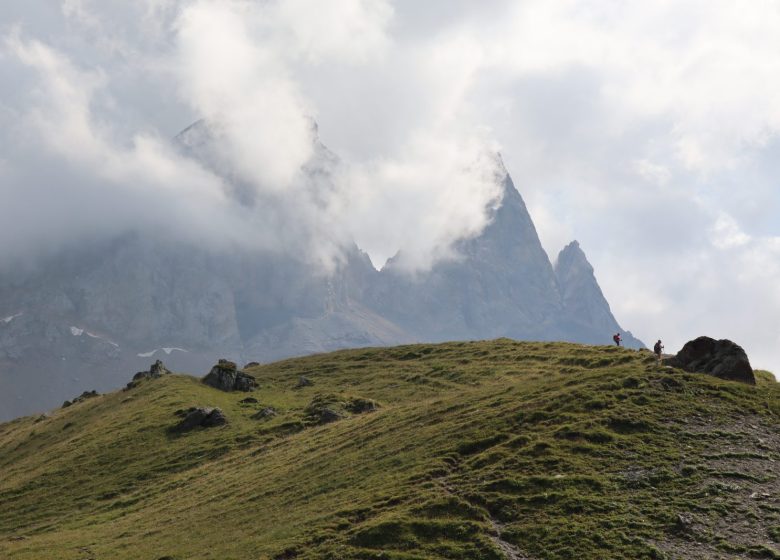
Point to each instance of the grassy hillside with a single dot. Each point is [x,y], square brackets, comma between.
[483,450]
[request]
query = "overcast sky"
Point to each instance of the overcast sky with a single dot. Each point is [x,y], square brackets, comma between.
[646,130]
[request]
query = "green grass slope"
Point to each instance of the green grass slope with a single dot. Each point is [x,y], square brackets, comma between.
[480,450]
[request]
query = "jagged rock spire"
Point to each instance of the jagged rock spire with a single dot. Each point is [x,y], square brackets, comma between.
[586,312]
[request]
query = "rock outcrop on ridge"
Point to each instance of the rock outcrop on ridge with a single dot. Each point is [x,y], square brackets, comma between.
[156,370]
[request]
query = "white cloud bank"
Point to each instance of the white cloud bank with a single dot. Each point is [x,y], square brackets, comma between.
[235,65]
[649,131]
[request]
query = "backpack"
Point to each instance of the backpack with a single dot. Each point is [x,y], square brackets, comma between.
[616,338]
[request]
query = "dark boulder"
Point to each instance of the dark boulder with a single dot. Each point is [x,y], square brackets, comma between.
[721,358]
[249,400]
[200,417]
[227,377]
[251,364]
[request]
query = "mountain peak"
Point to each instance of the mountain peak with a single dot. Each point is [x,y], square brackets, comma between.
[573,247]
[586,308]
[572,258]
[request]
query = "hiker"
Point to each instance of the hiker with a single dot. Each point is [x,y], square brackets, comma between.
[658,348]
[617,339]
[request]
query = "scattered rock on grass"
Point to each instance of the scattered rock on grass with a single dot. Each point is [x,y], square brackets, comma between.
[684,523]
[326,416]
[267,412]
[227,377]
[203,417]
[359,405]
[324,409]
[248,400]
[304,382]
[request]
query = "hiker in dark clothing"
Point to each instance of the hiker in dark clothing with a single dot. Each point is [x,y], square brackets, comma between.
[617,339]
[658,348]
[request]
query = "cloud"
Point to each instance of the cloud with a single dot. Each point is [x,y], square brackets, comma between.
[236,65]
[352,30]
[435,192]
[649,131]
[237,69]
[241,84]
[709,67]
[67,181]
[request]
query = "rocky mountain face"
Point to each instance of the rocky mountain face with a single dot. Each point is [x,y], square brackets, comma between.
[502,285]
[586,314]
[88,318]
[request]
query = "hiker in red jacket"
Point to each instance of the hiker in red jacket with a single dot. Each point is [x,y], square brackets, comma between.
[617,339]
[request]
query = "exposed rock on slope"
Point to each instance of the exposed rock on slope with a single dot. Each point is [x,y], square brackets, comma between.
[200,417]
[227,377]
[721,358]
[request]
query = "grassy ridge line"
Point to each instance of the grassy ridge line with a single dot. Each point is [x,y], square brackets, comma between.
[567,451]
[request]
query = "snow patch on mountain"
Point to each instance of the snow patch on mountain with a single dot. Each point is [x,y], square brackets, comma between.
[166,350]
[75,331]
[10,318]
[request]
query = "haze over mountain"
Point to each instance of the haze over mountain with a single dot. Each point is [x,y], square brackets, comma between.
[88,317]
[666,176]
